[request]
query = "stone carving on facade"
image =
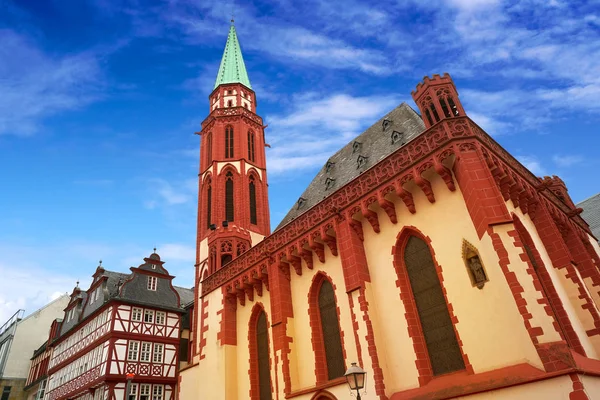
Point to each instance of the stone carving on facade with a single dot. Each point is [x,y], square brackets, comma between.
[474,265]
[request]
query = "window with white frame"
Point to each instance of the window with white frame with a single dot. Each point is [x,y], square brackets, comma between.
[145,352]
[157,356]
[160,317]
[152,283]
[133,390]
[157,392]
[148,316]
[144,391]
[136,314]
[132,351]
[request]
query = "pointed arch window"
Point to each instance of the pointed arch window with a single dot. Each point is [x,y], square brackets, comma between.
[229,196]
[442,346]
[209,147]
[228,141]
[252,194]
[208,204]
[251,146]
[262,347]
[331,331]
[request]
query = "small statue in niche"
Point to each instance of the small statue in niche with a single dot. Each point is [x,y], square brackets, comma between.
[477,271]
[474,265]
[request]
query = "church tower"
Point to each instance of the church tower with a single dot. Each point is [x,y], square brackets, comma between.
[233,208]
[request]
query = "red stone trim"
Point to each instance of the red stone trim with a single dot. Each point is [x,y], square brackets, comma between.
[228,327]
[513,283]
[371,346]
[562,322]
[415,330]
[578,392]
[318,344]
[355,329]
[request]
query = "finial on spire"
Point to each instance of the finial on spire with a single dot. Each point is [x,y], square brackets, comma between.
[100,263]
[155,249]
[77,285]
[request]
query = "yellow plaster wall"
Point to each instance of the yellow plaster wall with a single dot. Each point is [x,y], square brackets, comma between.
[591,385]
[492,336]
[549,389]
[568,291]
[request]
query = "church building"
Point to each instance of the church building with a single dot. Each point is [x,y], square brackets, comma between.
[423,252]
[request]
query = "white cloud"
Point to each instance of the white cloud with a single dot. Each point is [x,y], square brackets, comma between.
[167,193]
[533,164]
[564,160]
[35,85]
[318,126]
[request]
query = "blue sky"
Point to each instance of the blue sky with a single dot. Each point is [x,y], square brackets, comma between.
[99,100]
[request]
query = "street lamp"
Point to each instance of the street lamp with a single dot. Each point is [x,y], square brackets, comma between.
[355,376]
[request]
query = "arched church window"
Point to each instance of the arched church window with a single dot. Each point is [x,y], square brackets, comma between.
[229,196]
[208,204]
[428,115]
[444,353]
[251,145]
[228,141]
[434,112]
[252,194]
[209,147]
[445,108]
[331,331]
[453,106]
[262,346]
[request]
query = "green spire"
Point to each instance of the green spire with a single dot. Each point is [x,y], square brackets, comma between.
[232,69]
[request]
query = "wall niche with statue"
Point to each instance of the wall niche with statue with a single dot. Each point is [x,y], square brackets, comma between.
[474,265]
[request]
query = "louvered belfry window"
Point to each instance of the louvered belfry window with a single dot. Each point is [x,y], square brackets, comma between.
[229,196]
[252,193]
[331,331]
[251,146]
[262,345]
[229,142]
[442,346]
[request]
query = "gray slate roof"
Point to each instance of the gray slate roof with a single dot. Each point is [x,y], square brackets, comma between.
[186,296]
[387,135]
[591,213]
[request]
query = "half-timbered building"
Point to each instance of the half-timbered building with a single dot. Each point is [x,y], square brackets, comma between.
[124,324]
[422,250]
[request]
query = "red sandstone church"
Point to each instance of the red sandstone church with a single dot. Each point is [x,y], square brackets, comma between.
[422,251]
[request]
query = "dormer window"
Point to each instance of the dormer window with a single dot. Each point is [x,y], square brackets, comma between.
[301,202]
[386,124]
[329,166]
[153,266]
[397,137]
[152,283]
[361,161]
[356,146]
[329,183]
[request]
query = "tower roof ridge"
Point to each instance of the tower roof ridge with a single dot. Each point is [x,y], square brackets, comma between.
[232,68]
